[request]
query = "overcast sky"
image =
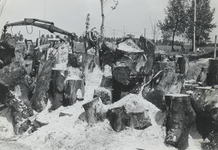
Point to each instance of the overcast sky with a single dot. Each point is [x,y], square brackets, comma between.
[130,16]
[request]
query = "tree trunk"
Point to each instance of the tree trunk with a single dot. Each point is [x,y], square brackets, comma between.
[212,75]
[139,120]
[107,81]
[94,111]
[58,88]
[105,94]
[70,90]
[181,65]
[12,74]
[118,118]
[180,116]
[40,95]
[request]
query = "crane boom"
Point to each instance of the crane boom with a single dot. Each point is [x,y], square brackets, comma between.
[41,24]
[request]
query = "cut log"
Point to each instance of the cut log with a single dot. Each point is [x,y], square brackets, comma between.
[212,76]
[138,120]
[180,116]
[165,81]
[107,81]
[21,110]
[40,95]
[181,65]
[105,94]
[12,74]
[204,101]
[130,111]
[70,90]
[94,111]
[118,118]
[58,88]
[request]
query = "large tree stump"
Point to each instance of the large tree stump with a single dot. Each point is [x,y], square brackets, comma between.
[139,120]
[40,95]
[105,94]
[181,65]
[58,88]
[94,111]
[20,109]
[212,75]
[180,116]
[12,74]
[118,118]
[107,81]
[204,101]
[70,90]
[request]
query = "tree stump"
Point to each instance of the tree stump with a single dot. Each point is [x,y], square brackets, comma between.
[118,118]
[94,111]
[181,65]
[107,81]
[105,94]
[204,102]
[139,120]
[70,90]
[180,116]
[12,74]
[212,75]
[40,95]
[58,88]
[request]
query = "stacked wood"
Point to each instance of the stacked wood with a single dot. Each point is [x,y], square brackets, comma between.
[180,117]
[212,76]
[204,101]
[94,111]
[40,95]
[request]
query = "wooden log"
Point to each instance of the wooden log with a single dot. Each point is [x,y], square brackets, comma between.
[180,116]
[94,111]
[107,81]
[212,76]
[40,95]
[58,88]
[105,94]
[12,74]
[181,65]
[118,118]
[70,90]
[139,120]
[20,110]
[204,102]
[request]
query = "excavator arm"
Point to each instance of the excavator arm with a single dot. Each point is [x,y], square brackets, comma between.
[41,24]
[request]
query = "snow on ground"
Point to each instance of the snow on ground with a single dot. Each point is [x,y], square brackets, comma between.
[69,133]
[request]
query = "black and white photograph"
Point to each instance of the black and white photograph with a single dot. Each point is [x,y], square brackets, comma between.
[108,75]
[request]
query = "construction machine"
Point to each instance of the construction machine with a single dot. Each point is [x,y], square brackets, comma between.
[41,24]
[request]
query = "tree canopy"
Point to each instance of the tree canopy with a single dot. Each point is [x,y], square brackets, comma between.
[179,20]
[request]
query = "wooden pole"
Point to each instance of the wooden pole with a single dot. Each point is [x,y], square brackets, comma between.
[194,49]
[215,47]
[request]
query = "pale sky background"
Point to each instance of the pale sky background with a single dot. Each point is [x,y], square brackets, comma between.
[130,16]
